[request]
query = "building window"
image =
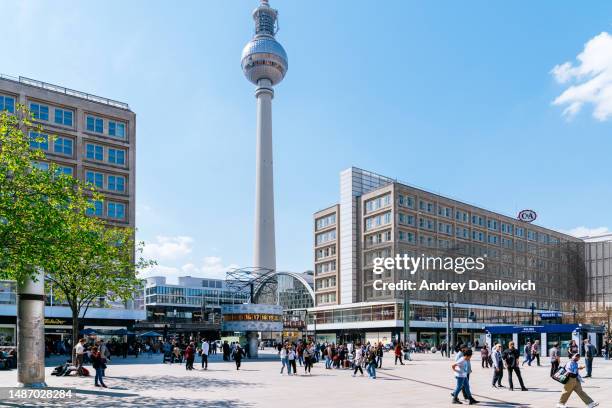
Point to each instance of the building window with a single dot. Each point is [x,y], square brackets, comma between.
[116,183]
[96,209]
[380,202]
[95,152]
[95,124]
[40,112]
[63,117]
[116,129]
[67,170]
[41,165]
[39,140]
[62,145]
[116,211]
[7,103]
[97,179]
[116,156]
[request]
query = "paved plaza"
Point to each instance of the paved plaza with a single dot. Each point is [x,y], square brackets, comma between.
[425,382]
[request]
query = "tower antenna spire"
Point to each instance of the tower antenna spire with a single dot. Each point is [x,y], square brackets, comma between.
[264,63]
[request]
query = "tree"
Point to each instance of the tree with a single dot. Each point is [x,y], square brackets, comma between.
[33,200]
[94,261]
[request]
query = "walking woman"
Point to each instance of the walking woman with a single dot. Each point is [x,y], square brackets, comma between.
[573,384]
[398,353]
[308,355]
[99,364]
[284,360]
[292,355]
[358,360]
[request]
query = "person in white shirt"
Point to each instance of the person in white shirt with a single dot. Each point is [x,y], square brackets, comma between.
[205,350]
[79,350]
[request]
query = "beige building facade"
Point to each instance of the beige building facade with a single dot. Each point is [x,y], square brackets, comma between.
[89,137]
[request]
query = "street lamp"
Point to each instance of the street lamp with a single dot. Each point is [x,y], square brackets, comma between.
[314,318]
[532,314]
[574,312]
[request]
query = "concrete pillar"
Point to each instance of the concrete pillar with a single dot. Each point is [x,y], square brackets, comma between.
[252,343]
[264,245]
[31,333]
[543,344]
[515,340]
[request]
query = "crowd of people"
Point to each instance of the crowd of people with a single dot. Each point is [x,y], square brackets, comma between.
[361,358]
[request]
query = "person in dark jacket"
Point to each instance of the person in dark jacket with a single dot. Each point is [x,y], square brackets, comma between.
[99,364]
[511,357]
[226,351]
[238,354]
[189,356]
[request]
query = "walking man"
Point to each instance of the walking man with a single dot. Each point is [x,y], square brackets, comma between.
[574,384]
[555,358]
[205,350]
[589,352]
[511,356]
[498,366]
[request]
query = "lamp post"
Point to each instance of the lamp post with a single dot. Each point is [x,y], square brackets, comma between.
[532,313]
[406,316]
[314,318]
[448,324]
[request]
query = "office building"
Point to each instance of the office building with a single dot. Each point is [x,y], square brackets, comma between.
[380,217]
[91,138]
[190,308]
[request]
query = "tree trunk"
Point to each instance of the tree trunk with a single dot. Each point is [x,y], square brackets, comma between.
[31,332]
[75,332]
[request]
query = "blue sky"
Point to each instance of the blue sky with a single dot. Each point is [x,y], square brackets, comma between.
[456,97]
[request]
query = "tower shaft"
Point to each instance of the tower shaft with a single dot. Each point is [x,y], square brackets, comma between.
[265,242]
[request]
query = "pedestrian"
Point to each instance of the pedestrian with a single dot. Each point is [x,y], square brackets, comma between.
[79,351]
[572,349]
[398,353]
[99,364]
[462,368]
[590,351]
[498,366]
[189,356]
[358,360]
[555,358]
[484,355]
[527,353]
[371,362]
[535,352]
[573,384]
[238,354]
[284,360]
[379,354]
[511,357]
[291,357]
[226,351]
[308,355]
[205,351]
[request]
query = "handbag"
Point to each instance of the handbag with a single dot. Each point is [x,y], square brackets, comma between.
[561,375]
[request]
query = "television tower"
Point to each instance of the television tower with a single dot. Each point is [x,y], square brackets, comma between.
[264,63]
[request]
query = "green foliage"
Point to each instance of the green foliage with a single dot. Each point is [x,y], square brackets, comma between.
[44,224]
[33,202]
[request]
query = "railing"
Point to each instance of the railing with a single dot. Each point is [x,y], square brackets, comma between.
[66,91]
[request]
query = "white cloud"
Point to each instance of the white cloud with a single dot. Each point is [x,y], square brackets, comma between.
[581,232]
[590,80]
[171,273]
[212,267]
[168,248]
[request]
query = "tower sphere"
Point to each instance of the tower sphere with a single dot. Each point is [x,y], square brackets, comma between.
[263,57]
